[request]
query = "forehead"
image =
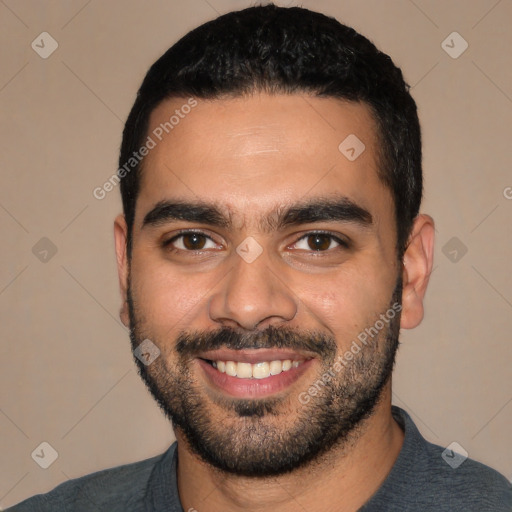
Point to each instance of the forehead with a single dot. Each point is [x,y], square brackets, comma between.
[261,151]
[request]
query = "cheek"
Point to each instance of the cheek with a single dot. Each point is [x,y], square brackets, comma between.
[168,300]
[347,303]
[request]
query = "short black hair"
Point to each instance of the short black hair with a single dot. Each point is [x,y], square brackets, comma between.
[281,50]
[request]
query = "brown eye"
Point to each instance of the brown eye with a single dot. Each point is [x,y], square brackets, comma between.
[319,242]
[190,241]
[194,241]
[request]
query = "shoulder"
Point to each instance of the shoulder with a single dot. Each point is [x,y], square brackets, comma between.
[429,477]
[116,489]
[464,483]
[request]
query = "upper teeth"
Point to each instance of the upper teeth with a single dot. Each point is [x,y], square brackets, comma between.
[256,371]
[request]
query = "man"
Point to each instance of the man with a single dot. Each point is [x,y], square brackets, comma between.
[270,250]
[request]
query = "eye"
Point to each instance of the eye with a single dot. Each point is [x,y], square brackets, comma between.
[319,242]
[191,241]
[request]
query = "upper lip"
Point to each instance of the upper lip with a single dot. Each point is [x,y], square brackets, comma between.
[253,356]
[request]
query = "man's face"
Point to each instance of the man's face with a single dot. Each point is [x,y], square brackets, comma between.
[263,249]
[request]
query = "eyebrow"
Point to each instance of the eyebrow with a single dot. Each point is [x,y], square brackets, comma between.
[338,209]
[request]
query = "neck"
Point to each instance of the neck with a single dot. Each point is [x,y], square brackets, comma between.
[343,480]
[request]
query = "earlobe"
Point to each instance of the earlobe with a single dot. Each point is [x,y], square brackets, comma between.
[417,267]
[120,237]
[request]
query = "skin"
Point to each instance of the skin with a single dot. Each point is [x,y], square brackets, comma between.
[252,155]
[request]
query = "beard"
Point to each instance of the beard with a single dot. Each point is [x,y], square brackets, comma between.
[269,436]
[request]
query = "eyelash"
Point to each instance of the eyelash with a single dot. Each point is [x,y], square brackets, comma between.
[181,234]
[342,243]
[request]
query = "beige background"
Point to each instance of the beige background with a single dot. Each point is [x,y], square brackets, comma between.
[67,375]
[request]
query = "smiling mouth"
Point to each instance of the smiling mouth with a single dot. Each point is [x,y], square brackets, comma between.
[260,370]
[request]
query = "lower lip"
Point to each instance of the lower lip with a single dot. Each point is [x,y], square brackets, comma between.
[253,388]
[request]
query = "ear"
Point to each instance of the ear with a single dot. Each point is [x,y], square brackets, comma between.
[120,236]
[417,267]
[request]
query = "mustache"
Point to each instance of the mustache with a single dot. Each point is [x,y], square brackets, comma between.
[191,344]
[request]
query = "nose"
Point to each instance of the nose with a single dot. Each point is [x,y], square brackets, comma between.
[252,297]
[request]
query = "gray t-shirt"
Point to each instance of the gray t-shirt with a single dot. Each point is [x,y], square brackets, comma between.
[420,480]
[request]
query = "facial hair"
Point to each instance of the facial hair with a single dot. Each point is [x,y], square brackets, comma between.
[250,439]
